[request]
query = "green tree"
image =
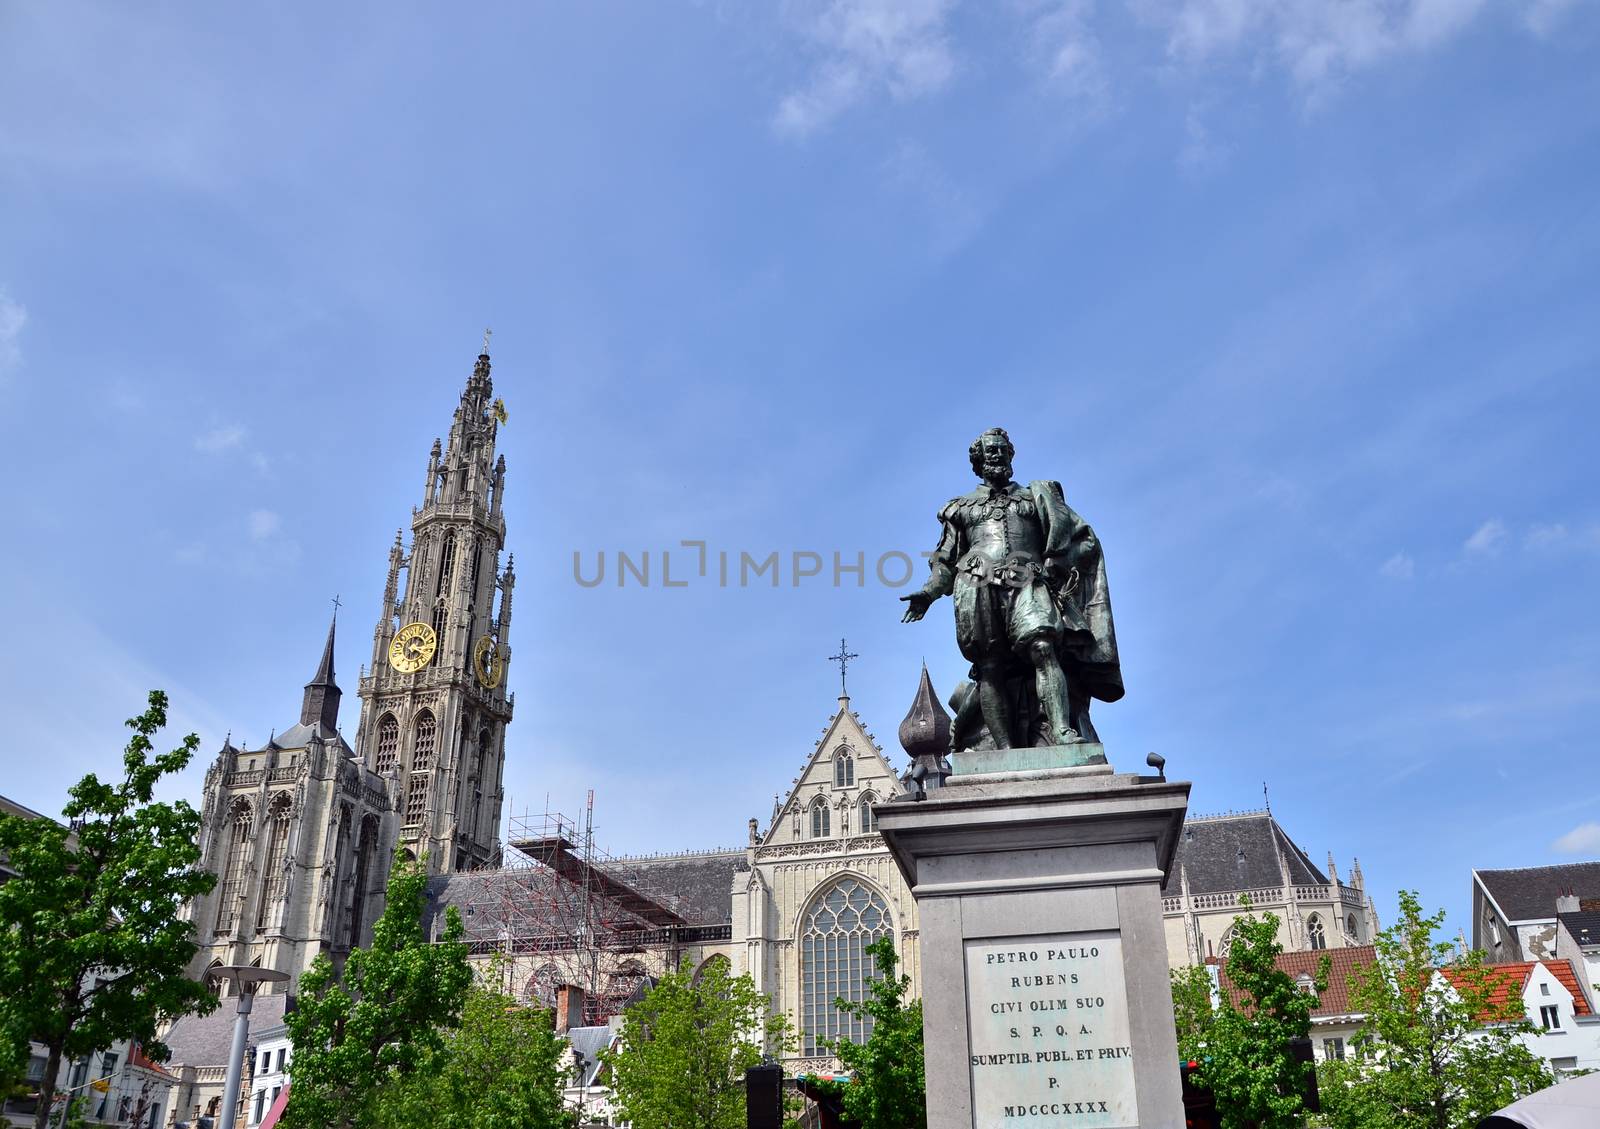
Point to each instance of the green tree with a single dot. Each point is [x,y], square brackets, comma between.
[684,1048]
[889,1087]
[1242,1045]
[1436,1050]
[1192,1011]
[384,1020]
[92,948]
[500,1069]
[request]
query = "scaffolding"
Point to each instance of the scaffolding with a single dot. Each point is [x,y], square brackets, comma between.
[560,911]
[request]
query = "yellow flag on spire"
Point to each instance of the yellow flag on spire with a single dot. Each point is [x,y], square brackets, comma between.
[499,409]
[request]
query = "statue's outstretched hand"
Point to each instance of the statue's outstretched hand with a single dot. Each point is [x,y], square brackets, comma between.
[920,602]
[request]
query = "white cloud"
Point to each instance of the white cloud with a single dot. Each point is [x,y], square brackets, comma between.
[1064,38]
[219,439]
[13,316]
[1583,839]
[263,524]
[1398,567]
[1543,15]
[1487,539]
[1546,535]
[953,217]
[900,46]
[1317,44]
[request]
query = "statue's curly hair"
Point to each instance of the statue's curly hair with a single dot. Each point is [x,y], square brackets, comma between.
[975,452]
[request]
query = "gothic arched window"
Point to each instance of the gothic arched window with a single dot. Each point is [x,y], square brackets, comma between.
[273,884]
[233,868]
[438,630]
[715,960]
[819,819]
[388,744]
[834,961]
[844,769]
[447,564]
[1353,928]
[542,985]
[427,737]
[416,797]
[1316,935]
[868,821]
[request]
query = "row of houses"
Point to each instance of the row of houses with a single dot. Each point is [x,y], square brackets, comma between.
[1539,928]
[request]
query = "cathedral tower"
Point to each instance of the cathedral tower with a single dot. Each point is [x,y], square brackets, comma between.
[434,706]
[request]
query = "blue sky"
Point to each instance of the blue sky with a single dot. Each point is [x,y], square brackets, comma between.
[1298,301]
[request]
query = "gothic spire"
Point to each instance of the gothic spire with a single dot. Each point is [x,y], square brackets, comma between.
[321,701]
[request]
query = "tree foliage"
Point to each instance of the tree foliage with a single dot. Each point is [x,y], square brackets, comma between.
[92,948]
[384,1020]
[1242,1044]
[1436,1051]
[889,1087]
[683,1050]
[500,1069]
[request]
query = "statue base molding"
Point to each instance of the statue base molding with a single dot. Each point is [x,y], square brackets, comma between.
[1089,757]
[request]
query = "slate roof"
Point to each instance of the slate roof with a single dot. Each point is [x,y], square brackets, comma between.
[204,1040]
[587,1043]
[1335,999]
[1530,893]
[1237,852]
[1584,927]
[700,883]
[703,881]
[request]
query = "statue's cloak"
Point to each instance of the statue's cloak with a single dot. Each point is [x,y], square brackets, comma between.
[1088,645]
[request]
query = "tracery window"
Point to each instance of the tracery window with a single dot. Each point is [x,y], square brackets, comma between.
[416,797]
[844,769]
[819,819]
[834,962]
[388,744]
[438,630]
[272,872]
[233,870]
[1353,928]
[427,738]
[868,821]
[447,564]
[1315,934]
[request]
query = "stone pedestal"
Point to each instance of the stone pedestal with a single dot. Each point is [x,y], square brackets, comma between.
[1046,997]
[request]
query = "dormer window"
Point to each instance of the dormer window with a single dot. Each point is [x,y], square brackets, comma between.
[844,769]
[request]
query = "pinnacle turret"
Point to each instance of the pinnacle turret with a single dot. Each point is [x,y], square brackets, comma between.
[321,701]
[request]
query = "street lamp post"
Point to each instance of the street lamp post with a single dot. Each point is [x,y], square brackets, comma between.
[246,979]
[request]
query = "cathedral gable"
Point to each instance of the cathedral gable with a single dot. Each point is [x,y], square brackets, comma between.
[846,767]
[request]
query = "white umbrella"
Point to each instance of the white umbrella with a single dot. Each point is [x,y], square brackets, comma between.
[1570,1105]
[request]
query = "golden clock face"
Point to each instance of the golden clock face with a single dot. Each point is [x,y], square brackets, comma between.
[412,648]
[489,661]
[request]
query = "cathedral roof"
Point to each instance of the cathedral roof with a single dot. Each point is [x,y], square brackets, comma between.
[1530,893]
[204,1040]
[1222,853]
[703,881]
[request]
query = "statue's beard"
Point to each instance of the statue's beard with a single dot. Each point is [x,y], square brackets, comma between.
[996,470]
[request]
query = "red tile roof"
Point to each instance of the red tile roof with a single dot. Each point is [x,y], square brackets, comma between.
[1508,982]
[1335,999]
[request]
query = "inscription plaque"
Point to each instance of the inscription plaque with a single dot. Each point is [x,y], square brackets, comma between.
[1047,1027]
